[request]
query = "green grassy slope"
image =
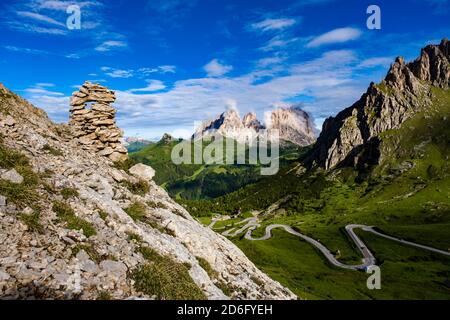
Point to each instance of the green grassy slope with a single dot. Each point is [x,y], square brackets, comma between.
[406,195]
[202,181]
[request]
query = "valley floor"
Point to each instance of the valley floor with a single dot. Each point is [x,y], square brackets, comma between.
[407,272]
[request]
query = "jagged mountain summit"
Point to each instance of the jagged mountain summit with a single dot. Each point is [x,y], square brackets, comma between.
[294,126]
[74,224]
[251,121]
[353,136]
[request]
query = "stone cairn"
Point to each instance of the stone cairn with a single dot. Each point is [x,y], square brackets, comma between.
[95,126]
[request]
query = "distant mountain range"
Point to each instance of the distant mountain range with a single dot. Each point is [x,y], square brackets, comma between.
[134,144]
[294,126]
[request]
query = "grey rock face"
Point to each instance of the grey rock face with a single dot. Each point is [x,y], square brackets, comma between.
[12,176]
[251,121]
[2,201]
[4,276]
[142,172]
[405,90]
[294,125]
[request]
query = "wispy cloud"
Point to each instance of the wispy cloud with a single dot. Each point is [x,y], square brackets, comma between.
[39,17]
[26,50]
[270,61]
[217,69]
[111,45]
[376,62]
[55,103]
[140,73]
[153,85]
[48,18]
[160,69]
[278,42]
[117,73]
[340,35]
[270,24]
[330,80]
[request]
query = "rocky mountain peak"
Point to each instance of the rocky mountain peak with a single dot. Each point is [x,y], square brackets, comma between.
[167,138]
[385,106]
[433,65]
[230,120]
[294,125]
[2,88]
[251,121]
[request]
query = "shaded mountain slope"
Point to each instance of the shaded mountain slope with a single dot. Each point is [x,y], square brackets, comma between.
[73,225]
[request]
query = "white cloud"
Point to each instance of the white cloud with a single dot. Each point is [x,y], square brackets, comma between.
[335,36]
[61,5]
[26,27]
[273,24]
[167,69]
[39,17]
[55,103]
[48,17]
[141,72]
[45,84]
[111,45]
[26,50]
[332,81]
[153,85]
[160,69]
[43,91]
[116,73]
[270,61]
[376,62]
[278,42]
[216,69]
[329,79]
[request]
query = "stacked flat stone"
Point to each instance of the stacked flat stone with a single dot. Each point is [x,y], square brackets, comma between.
[95,126]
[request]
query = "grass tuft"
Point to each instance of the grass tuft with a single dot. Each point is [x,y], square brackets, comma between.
[136,211]
[68,193]
[66,214]
[164,278]
[53,151]
[139,188]
[32,221]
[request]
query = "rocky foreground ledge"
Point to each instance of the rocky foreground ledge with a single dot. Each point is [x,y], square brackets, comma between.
[74,225]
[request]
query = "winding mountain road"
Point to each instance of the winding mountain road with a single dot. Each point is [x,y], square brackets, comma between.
[368,258]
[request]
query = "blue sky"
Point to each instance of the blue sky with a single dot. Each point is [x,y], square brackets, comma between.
[174,63]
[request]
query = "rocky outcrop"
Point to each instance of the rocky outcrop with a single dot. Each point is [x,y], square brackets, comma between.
[352,137]
[167,139]
[292,124]
[69,231]
[251,121]
[95,125]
